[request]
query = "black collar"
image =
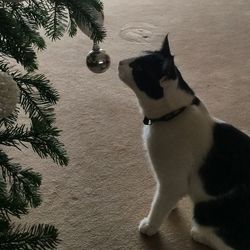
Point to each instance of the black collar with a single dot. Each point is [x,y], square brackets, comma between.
[170,115]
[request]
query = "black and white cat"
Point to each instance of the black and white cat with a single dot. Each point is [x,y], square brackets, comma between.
[191,153]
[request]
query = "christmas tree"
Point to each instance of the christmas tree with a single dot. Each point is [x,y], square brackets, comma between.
[23,26]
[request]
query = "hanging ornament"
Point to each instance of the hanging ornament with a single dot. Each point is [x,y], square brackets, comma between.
[9,95]
[98,61]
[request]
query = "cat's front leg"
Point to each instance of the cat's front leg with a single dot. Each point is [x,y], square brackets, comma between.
[164,201]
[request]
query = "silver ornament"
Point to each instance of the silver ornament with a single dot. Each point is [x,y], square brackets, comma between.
[97,60]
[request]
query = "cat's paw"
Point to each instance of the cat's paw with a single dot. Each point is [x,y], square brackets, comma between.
[146,228]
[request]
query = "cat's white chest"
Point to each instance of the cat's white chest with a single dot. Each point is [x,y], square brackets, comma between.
[177,149]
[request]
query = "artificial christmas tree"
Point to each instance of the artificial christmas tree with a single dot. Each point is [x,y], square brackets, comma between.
[20,37]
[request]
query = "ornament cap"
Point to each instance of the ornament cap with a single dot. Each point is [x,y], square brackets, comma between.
[96,47]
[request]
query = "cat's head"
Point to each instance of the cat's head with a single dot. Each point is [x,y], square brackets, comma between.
[156,81]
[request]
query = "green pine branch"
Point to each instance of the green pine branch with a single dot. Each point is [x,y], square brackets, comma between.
[23,184]
[11,120]
[41,137]
[20,23]
[72,26]
[29,25]
[40,237]
[84,13]
[42,85]
[36,107]
[37,96]
[14,43]
[20,38]
[58,20]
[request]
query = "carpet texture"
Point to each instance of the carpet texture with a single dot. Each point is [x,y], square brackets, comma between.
[99,199]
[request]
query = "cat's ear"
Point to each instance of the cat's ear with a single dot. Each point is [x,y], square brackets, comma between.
[169,69]
[165,49]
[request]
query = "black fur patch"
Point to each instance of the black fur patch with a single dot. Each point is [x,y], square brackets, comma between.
[182,84]
[149,69]
[226,176]
[196,101]
[229,215]
[147,72]
[228,163]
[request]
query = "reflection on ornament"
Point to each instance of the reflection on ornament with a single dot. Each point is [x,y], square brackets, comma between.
[97,60]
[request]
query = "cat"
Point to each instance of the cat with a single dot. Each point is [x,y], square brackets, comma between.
[190,153]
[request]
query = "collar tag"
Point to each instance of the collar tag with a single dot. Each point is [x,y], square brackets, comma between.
[147,121]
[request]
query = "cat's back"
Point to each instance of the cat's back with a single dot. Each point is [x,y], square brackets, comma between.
[230,139]
[227,164]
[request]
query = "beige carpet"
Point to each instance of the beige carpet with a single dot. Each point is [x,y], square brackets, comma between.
[99,199]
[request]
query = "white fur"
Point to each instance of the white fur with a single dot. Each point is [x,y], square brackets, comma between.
[206,236]
[175,150]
